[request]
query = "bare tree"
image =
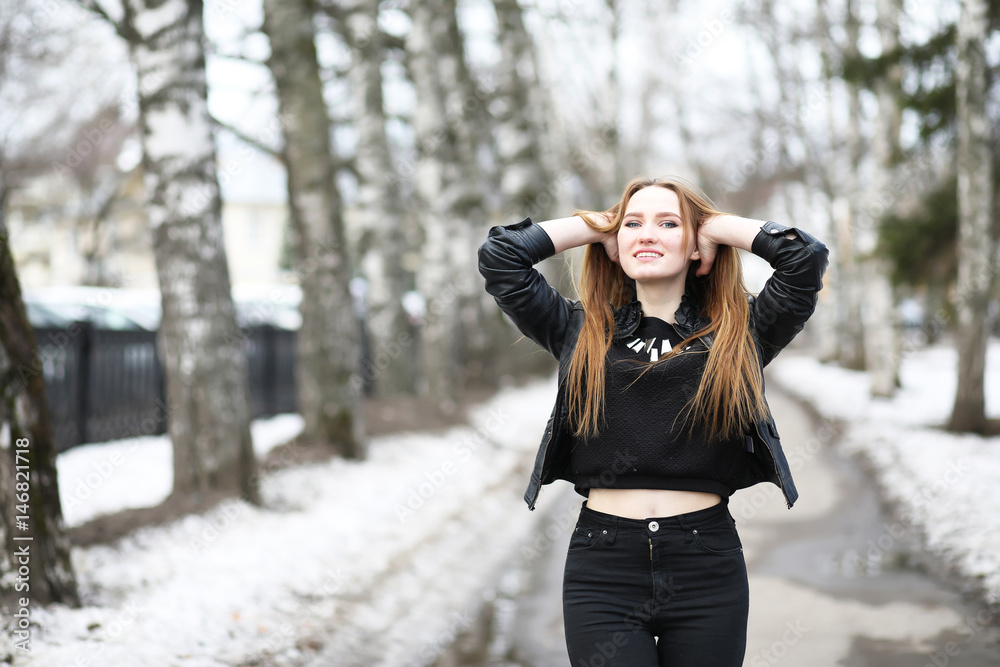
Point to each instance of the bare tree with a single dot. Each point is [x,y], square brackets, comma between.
[882,340]
[526,151]
[328,342]
[201,346]
[100,184]
[465,106]
[380,211]
[35,129]
[976,246]
[852,350]
[522,145]
[611,98]
[31,522]
[828,178]
[449,189]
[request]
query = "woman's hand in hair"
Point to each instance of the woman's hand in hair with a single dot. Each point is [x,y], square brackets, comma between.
[708,246]
[723,229]
[610,239]
[610,243]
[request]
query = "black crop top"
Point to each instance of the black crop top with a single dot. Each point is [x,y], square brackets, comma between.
[638,445]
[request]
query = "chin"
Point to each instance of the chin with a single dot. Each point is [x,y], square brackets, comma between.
[644,273]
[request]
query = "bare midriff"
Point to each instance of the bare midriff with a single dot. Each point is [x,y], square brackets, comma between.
[648,503]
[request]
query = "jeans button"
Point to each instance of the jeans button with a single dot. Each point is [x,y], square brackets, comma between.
[653,526]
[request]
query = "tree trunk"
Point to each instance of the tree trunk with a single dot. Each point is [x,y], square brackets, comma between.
[330,387]
[975,209]
[31,526]
[882,340]
[521,145]
[447,184]
[828,318]
[852,351]
[201,346]
[380,212]
[525,150]
[465,110]
[611,99]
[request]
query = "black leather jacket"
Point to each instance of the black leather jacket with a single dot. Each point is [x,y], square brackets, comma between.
[542,314]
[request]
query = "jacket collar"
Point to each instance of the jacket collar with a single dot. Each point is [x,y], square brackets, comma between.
[688,320]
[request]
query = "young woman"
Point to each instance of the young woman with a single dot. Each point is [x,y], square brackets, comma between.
[660,412]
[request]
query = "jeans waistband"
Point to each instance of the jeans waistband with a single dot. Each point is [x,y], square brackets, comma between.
[686,521]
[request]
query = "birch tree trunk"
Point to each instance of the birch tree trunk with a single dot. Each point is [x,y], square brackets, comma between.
[36,548]
[329,385]
[975,206]
[201,346]
[381,215]
[882,339]
[525,151]
[829,329]
[434,158]
[524,181]
[449,187]
[611,97]
[852,351]
[466,115]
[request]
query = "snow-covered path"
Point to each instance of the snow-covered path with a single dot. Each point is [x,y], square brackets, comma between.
[397,546]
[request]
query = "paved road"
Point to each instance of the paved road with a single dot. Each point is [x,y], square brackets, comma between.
[831,581]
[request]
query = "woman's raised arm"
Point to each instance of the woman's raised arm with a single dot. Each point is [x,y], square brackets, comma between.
[572,232]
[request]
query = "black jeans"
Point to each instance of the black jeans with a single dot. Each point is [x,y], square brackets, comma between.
[657,591]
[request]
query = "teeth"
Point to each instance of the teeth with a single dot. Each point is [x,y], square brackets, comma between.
[647,254]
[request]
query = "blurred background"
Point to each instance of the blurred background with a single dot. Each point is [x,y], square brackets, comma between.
[235,228]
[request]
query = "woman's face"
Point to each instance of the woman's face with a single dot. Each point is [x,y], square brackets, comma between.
[650,238]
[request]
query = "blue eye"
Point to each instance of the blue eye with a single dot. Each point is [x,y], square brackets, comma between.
[634,223]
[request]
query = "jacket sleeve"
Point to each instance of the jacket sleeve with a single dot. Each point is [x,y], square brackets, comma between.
[788,298]
[506,259]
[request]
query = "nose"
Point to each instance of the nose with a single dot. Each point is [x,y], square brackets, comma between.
[647,234]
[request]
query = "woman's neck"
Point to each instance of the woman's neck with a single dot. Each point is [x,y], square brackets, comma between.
[660,299]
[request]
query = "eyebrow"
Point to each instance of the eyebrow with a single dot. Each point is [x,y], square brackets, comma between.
[658,215]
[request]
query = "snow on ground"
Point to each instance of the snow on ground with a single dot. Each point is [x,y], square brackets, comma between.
[943,484]
[383,562]
[374,562]
[100,478]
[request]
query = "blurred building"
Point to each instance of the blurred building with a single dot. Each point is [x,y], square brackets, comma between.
[66,232]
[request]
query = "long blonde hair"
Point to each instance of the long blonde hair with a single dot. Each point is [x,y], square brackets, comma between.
[730,395]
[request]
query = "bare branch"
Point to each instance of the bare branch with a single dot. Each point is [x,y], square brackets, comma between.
[243,136]
[124,30]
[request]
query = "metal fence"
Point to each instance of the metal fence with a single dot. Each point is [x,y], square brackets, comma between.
[108,385]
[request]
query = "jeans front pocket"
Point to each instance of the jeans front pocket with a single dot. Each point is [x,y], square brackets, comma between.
[587,537]
[718,539]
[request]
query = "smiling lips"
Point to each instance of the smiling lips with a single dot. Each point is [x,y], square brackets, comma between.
[648,255]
